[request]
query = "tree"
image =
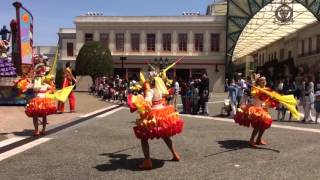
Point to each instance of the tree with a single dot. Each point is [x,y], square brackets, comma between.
[95,60]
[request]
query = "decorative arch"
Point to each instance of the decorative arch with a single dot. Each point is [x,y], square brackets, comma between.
[240,12]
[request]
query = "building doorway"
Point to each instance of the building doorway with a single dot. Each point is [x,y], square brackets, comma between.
[182,74]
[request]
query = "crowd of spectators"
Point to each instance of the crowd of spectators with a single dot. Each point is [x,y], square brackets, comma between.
[195,95]
[113,89]
[306,90]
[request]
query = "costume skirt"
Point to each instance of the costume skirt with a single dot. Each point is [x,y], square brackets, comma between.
[40,107]
[256,117]
[158,123]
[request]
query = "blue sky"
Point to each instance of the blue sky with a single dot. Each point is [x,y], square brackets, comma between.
[50,15]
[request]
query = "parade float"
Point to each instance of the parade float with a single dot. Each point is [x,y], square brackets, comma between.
[16,58]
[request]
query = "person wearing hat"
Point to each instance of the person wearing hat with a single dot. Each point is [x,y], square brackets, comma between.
[157,119]
[256,115]
[68,81]
[41,105]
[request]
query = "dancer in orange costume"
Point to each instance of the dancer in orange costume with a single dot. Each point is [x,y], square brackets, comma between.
[41,106]
[157,119]
[68,78]
[256,115]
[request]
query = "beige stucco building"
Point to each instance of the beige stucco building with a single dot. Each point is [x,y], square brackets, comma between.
[301,47]
[200,39]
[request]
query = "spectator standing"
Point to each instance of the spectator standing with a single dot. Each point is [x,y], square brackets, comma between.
[233,92]
[176,93]
[195,97]
[247,90]
[279,89]
[241,87]
[188,100]
[183,94]
[317,97]
[204,94]
[309,97]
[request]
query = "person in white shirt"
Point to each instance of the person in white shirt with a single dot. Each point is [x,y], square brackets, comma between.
[176,94]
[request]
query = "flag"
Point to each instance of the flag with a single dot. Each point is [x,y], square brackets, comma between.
[287,100]
[61,94]
[54,64]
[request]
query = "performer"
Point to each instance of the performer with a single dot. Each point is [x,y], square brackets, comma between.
[256,115]
[41,106]
[68,81]
[157,119]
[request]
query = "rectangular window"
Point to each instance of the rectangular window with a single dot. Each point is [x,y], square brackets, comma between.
[263,57]
[120,42]
[198,42]
[88,37]
[151,42]
[275,55]
[302,47]
[104,39]
[135,42]
[310,45]
[166,42]
[215,42]
[69,49]
[318,43]
[183,42]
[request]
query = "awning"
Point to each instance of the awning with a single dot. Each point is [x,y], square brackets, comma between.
[263,29]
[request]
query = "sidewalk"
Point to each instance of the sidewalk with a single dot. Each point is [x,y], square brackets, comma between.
[14,122]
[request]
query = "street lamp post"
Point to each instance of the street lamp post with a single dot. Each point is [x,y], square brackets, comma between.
[122,58]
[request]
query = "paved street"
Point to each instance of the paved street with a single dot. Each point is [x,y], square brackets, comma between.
[104,147]
[14,121]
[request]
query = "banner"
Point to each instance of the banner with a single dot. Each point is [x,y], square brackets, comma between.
[26,35]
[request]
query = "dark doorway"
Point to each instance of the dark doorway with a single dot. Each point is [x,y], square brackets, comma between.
[182,74]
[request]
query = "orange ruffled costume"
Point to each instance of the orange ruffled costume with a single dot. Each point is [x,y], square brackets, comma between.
[40,107]
[256,116]
[154,122]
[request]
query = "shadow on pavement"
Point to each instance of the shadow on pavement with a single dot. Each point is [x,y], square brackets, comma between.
[233,145]
[121,161]
[25,132]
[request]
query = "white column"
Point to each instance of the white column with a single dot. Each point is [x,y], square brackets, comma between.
[143,44]
[190,42]
[158,42]
[127,45]
[96,36]
[174,42]
[79,40]
[112,44]
[206,42]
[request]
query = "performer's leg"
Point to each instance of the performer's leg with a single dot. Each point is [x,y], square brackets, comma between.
[307,112]
[60,107]
[36,126]
[147,163]
[169,143]
[44,124]
[253,135]
[72,102]
[259,140]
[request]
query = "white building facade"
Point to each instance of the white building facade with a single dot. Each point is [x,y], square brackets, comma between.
[301,47]
[200,39]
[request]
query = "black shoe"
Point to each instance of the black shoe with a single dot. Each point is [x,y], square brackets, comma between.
[205,114]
